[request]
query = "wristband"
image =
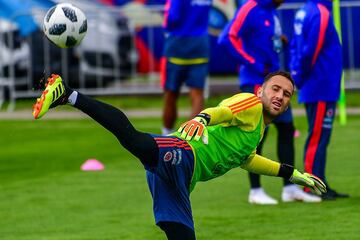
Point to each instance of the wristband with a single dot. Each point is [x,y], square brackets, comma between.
[286,171]
[204,116]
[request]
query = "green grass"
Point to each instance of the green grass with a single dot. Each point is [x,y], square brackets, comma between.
[44,195]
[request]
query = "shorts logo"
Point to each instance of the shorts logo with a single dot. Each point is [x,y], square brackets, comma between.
[267,23]
[168,156]
[177,157]
[329,118]
[329,113]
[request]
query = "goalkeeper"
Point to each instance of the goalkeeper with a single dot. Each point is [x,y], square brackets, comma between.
[217,140]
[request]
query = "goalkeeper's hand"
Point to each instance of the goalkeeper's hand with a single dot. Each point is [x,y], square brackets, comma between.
[308,180]
[194,129]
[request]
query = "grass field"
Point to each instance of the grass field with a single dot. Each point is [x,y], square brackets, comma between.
[44,195]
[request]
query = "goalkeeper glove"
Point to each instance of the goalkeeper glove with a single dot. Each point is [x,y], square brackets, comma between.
[308,180]
[195,128]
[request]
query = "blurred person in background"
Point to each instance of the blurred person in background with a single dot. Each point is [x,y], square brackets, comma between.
[316,65]
[217,140]
[186,56]
[254,36]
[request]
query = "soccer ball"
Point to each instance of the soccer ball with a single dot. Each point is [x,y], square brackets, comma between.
[65,25]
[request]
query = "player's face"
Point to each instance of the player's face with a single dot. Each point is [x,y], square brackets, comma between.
[275,95]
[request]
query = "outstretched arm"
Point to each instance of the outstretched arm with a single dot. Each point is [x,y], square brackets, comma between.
[243,109]
[196,127]
[261,165]
[217,115]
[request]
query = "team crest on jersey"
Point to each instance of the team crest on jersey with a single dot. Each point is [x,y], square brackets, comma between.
[168,156]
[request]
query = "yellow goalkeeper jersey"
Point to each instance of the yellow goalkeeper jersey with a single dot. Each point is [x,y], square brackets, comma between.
[235,130]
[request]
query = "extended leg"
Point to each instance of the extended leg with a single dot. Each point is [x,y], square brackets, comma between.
[285,147]
[257,194]
[170,110]
[197,101]
[142,145]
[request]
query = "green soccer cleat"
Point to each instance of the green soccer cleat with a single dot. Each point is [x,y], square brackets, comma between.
[52,96]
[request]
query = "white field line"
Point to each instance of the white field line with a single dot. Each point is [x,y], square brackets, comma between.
[135,113]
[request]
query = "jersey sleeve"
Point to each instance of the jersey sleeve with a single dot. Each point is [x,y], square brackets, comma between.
[246,110]
[173,14]
[243,110]
[233,34]
[261,165]
[219,114]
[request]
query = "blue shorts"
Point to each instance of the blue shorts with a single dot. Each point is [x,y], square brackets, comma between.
[285,117]
[175,75]
[169,181]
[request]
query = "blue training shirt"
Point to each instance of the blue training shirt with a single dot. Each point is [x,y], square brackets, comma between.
[186,28]
[253,37]
[187,17]
[316,54]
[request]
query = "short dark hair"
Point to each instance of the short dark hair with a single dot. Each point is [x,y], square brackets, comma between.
[281,73]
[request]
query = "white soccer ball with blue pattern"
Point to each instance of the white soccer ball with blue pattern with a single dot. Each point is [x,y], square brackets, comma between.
[65,25]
